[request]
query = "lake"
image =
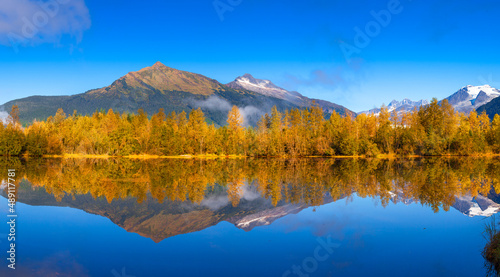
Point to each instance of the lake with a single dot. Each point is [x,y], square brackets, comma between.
[250,217]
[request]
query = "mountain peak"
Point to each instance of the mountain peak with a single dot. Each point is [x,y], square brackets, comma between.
[159,65]
[470,97]
[161,78]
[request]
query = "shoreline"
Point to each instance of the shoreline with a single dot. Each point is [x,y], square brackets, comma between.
[213,156]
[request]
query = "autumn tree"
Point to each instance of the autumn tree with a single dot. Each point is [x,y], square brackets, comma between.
[493,135]
[14,114]
[235,130]
[197,131]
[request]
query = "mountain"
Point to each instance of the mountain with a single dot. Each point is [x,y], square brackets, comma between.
[267,88]
[472,97]
[399,106]
[158,87]
[491,108]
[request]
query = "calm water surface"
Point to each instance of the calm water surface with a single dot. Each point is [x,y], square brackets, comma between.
[422,217]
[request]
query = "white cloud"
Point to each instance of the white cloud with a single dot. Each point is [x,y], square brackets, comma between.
[4,116]
[32,22]
[215,103]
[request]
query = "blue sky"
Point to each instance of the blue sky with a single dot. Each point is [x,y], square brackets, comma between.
[416,49]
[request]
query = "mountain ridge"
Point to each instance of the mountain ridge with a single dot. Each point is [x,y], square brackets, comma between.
[159,87]
[268,88]
[404,105]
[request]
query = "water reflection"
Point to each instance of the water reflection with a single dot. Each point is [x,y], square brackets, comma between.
[163,198]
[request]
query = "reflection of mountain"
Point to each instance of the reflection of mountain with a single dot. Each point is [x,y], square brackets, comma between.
[266,217]
[159,221]
[160,198]
[468,205]
[398,196]
[476,206]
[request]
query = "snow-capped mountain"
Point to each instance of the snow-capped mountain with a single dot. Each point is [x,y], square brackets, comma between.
[399,106]
[264,87]
[472,97]
[267,88]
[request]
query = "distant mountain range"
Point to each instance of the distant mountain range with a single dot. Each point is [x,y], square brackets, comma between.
[465,100]
[160,86]
[400,106]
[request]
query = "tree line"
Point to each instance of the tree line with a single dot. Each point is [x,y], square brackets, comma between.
[434,129]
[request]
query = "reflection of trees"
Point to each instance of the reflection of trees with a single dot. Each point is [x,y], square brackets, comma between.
[432,182]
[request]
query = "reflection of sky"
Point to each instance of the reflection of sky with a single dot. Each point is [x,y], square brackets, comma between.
[397,240]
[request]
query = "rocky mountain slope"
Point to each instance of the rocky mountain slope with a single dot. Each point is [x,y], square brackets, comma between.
[491,108]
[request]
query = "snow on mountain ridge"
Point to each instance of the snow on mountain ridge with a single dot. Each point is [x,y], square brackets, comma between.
[267,88]
[399,106]
[264,87]
[475,90]
[470,97]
